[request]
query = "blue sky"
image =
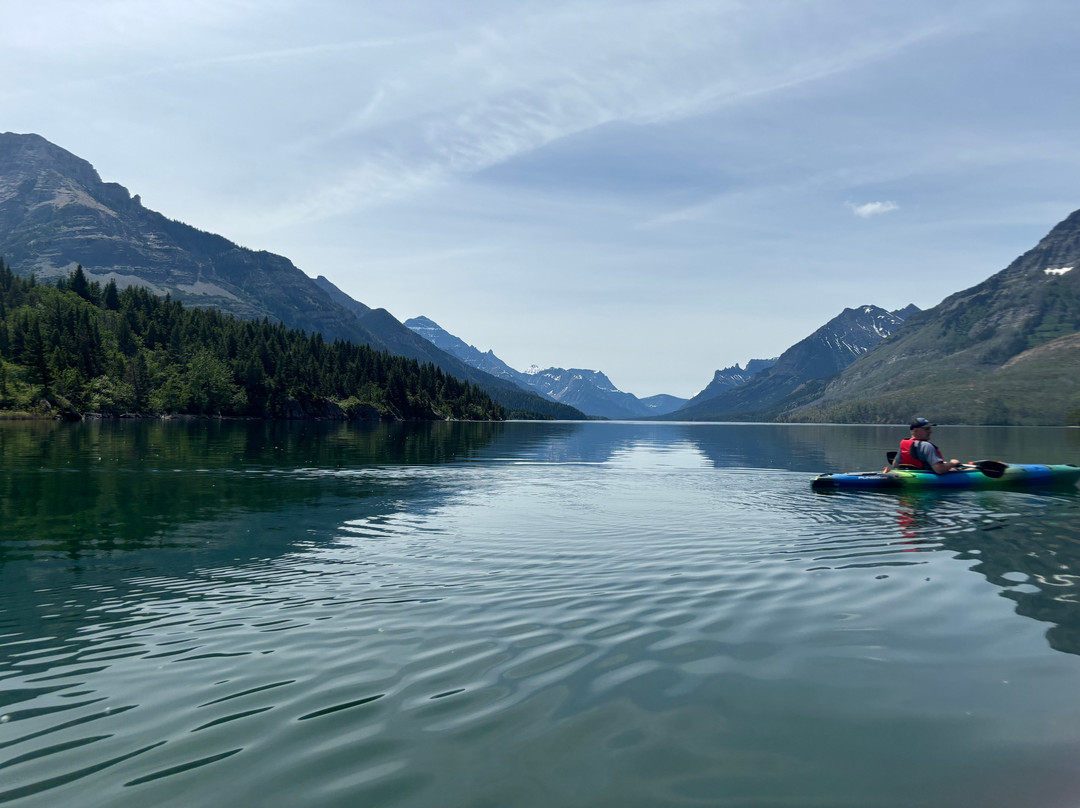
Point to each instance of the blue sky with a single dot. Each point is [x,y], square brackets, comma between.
[651,189]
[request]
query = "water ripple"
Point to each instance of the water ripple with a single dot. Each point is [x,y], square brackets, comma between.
[639,628]
[183,767]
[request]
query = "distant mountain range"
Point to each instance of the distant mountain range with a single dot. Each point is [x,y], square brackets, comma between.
[1005,351]
[587,390]
[56,213]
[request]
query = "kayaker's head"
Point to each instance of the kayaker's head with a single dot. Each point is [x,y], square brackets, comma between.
[920,428]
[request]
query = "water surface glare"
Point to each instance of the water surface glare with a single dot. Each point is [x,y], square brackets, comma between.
[587,614]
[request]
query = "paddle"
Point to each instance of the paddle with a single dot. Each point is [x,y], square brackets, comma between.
[991,468]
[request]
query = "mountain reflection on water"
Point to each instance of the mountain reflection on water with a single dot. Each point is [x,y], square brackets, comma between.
[127,485]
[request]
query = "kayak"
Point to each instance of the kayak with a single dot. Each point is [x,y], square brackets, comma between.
[982,474]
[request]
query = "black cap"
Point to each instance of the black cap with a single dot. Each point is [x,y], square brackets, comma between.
[918,423]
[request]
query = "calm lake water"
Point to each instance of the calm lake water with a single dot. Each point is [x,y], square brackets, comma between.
[557,614]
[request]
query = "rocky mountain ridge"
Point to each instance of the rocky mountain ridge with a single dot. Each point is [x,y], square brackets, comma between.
[831,348]
[734,376]
[444,340]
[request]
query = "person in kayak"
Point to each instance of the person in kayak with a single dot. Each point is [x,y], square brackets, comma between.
[919,453]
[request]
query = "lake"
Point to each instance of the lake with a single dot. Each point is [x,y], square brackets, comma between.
[529,614]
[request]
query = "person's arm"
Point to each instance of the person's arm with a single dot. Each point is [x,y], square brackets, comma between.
[943,466]
[928,453]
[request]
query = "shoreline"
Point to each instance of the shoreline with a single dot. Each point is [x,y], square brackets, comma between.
[22,415]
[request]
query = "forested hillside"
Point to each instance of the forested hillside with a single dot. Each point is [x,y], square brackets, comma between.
[79,347]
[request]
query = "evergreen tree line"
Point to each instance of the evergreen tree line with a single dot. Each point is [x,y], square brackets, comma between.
[89,348]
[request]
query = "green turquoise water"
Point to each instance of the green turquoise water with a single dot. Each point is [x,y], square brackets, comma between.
[582,614]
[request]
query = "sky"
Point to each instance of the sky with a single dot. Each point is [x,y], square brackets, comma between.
[651,189]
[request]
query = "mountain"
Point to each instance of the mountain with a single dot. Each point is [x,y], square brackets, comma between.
[828,350]
[392,335]
[594,394]
[1004,351]
[662,404]
[587,390]
[907,311]
[444,340]
[728,378]
[56,213]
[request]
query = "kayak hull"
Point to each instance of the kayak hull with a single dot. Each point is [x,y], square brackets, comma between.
[1015,475]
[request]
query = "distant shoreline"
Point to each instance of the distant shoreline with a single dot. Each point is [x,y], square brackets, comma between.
[22,415]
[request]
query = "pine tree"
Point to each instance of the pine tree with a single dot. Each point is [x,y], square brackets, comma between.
[111,299]
[79,284]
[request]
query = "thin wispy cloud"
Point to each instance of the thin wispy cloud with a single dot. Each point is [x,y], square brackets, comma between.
[868,209]
[508,89]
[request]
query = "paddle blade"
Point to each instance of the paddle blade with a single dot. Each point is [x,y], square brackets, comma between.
[991,468]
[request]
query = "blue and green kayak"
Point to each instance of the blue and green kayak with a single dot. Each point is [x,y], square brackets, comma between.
[981,474]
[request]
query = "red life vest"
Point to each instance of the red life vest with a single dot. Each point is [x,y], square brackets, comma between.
[908,459]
